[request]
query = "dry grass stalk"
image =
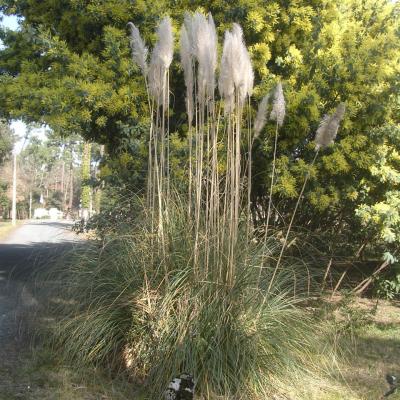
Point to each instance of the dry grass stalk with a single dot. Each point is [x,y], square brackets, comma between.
[278,115]
[325,135]
[157,84]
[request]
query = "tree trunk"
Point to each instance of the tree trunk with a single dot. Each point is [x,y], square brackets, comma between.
[62,176]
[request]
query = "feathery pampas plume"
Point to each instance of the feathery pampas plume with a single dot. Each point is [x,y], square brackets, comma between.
[261,117]
[139,49]
[202,38]
[278,105]
[236,69]
[165,42]
[327,130]
[243,73]
[226,85]
[187,65]
[161,57]
[207,43]
[194,23]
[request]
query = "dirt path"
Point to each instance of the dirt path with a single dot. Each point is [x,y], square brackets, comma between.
[21,254]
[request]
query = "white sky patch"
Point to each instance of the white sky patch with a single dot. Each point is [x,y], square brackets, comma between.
[10,21]
[23,134]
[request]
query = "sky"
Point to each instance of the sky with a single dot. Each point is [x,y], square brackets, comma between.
[19,127]
[10,22]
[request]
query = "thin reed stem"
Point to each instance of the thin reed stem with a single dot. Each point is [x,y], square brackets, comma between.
[190,139]
[272,180]
[168,172]
[291,223]
[249,167]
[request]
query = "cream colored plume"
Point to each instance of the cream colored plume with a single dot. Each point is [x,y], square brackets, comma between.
[187,65]
[202,37]
[328,128]
[161,57]
[165,42]
[278,105]
[261,117]
[139,49]
[236,69]
[208,56]
[194,23]
[156,77]
[226,85]
[243,72]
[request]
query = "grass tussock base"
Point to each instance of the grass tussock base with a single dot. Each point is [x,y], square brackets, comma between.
[134,304]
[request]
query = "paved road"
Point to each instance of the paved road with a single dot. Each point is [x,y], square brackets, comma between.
[27,249]
[23,250]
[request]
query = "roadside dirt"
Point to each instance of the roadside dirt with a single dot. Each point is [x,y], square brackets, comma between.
[17,309]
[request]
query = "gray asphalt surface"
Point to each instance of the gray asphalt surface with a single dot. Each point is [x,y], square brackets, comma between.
[27,249]
[30,244]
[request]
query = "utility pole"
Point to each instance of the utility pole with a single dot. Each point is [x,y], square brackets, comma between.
[62,176]
[14,191]
[30,204]
[71,188]
[86,193]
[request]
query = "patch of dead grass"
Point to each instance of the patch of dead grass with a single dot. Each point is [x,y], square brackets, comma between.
[6,227]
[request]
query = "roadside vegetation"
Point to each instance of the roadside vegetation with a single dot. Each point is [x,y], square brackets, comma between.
[6,227]
[369,329]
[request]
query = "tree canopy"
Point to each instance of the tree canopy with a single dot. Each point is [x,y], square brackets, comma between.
[69,67]
[6,141]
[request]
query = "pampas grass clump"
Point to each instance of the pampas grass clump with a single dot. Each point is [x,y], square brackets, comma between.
[133,308]
[184,290]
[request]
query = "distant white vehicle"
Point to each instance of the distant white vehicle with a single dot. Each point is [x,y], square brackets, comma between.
[40,213]
[52,213]
[55,213]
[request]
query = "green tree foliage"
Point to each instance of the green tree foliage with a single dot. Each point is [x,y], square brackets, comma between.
[69,67]
[379,210]
[6,141]
[6,146]
[87,88]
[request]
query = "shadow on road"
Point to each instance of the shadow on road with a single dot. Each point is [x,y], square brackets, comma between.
[22,261]
[55,224]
